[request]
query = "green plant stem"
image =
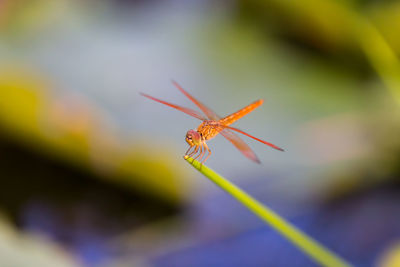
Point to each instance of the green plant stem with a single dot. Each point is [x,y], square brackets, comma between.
[305,243]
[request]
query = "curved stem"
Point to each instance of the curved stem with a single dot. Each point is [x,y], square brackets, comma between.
[309,246]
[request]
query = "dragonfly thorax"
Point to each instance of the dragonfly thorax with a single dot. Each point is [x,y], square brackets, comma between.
[209,129]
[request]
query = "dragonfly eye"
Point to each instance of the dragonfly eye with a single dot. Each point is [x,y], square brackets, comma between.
[193,137]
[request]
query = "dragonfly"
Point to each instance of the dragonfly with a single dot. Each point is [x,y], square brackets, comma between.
[212,125]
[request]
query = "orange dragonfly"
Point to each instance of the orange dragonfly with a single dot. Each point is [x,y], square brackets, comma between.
[213,125]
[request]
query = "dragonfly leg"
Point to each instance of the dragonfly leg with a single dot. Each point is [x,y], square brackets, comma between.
[201,152]
[209,153]
[201,155]
[187,152]
[194,151]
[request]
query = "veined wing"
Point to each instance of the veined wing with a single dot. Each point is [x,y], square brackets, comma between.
[188,111]
[255,138]
[241,113]
[209,113]
[240,144]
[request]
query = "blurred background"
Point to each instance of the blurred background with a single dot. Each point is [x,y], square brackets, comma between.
[91,173]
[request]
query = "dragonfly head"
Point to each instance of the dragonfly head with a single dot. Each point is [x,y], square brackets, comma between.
[193,138]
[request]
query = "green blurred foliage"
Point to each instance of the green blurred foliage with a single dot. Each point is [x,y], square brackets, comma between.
[74,130]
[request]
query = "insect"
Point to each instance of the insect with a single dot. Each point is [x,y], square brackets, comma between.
[213,125]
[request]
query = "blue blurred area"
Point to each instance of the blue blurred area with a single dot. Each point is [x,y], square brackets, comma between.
[358,228]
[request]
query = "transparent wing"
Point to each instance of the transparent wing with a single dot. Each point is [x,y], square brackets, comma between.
[209,113]
[188,111]
[255,138]
[240,144]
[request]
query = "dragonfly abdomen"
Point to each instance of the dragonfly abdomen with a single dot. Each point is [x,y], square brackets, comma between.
[240,113]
